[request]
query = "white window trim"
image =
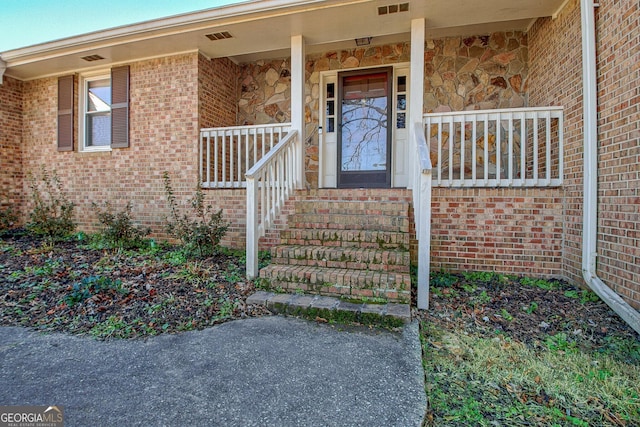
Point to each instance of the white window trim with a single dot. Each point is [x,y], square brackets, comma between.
[82,107]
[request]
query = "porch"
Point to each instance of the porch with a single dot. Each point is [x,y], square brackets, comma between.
[485,149]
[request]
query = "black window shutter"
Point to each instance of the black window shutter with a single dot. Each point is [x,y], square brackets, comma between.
[120,107]
[65,113]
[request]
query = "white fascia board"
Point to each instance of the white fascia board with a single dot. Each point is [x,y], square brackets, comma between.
[192,21]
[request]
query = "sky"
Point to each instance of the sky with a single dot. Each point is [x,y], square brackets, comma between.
[28,22]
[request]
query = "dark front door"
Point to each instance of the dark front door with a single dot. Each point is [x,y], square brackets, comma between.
[364,137]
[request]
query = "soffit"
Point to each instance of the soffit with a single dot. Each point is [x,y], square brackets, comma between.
[263,29]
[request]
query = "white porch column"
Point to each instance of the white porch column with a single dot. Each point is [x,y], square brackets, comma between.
[416,84]
[297,102]
[3,67]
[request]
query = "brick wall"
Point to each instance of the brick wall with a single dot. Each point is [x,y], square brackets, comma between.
[618,62]
[513,231]
[11,176]
[217,92]
[556,79]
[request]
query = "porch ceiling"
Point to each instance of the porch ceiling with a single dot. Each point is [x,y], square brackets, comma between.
[264,29]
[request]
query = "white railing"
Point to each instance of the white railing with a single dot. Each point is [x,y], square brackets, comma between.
[521,147]
[226,154]
[269,184]
[422,211]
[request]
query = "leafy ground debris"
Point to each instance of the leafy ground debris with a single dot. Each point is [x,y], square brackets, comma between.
[72,286]
[504,350]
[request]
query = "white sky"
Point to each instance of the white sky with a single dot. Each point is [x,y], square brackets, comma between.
[28,22]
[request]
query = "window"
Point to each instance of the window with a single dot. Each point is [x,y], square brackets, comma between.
[103,111]
[96,118]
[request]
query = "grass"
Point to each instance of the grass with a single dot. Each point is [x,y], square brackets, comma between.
[481,369]
[478,381]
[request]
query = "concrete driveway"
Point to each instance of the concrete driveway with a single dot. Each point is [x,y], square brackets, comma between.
[269,371]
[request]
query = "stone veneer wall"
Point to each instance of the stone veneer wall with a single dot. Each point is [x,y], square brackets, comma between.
[11,176]
[556,78]
[265,92]
[476,73]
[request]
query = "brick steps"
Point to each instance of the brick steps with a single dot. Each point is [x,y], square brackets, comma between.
[342,257]
[354,248]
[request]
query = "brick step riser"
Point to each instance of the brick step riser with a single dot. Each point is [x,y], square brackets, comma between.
[346,238]
[340,277]
[349,222]
[368,256]
[395,268]
[368,208]
[318,289]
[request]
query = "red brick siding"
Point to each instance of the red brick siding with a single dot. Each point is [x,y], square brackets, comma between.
[556,78]
[512,231]
[163,135]
[217,92]
[11,176]
[618,62]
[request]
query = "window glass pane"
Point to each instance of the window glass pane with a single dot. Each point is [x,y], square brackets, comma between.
[99,95]
[331,87]
[401,121]
[98,130]
[330,108]
[402,102]
[402,83]
[330,124]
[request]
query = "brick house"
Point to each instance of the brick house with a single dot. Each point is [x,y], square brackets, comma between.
[467,136]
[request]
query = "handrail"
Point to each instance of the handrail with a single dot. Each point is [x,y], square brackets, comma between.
[269,184]
[227,153]
[422,211]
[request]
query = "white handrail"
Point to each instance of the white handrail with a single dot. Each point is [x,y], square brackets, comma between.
[422,211]
[269,182]
[226,153]
[516,147]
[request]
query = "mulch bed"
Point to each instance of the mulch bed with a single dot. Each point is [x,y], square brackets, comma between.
[107,293]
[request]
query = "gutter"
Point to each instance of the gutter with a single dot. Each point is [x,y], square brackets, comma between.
[590,205]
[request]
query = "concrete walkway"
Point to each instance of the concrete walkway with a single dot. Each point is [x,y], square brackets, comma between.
[270,371]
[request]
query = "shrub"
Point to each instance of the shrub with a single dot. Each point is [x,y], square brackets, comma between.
[201,231]
[52,215]
[7,219]
[118,229]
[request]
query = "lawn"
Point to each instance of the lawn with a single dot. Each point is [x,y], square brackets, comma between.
[511,351]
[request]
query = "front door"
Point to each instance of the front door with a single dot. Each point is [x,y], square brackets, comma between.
[364,134]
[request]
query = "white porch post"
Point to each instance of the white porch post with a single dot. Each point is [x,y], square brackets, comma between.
[297,103]
[416,101]
[416,84]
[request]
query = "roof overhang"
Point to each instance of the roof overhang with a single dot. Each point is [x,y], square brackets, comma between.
[261,29]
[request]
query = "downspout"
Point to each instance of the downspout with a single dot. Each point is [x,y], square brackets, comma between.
[590,206]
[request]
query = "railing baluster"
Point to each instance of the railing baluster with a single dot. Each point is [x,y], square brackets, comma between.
[523,148]
[503,164]
[498,147]
[510,150]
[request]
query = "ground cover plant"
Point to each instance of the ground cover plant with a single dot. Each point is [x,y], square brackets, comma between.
[511,351]
[83,285]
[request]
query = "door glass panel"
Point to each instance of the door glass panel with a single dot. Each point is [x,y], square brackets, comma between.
[364,123]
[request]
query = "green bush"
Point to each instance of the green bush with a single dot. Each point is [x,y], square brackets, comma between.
[119,231]
[52,215]
[201,231]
